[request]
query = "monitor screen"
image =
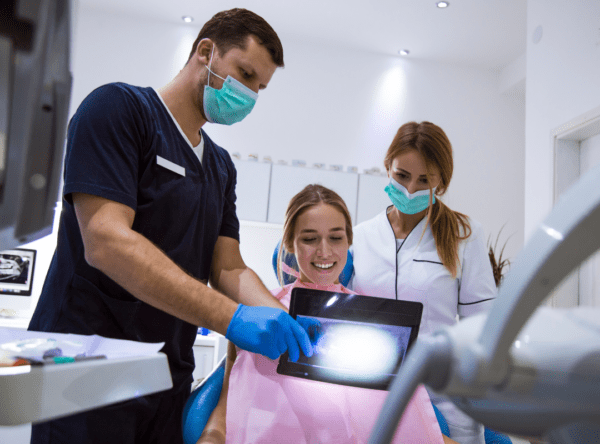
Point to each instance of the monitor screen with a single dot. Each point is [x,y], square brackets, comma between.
[357,340]
[16,272]
[35,85]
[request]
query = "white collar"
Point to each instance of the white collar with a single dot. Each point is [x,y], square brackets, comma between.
[198,149]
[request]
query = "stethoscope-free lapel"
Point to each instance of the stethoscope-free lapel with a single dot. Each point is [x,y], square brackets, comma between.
[399,248]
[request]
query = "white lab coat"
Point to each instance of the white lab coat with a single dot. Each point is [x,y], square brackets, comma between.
[415,273]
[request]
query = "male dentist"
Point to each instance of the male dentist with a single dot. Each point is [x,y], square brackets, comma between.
[149,218]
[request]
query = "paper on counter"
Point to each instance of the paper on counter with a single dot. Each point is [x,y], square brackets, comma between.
[91,345]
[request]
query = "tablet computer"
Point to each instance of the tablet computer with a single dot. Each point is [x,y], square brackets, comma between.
[357,340]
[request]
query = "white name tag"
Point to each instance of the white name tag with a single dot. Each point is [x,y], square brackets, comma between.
[170,165]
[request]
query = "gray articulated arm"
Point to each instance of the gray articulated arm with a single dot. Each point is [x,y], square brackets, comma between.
[568,236]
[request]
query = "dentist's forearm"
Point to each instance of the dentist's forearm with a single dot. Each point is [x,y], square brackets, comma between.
[150,275]
[245,287]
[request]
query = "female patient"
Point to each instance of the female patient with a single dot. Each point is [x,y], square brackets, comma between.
[257,405]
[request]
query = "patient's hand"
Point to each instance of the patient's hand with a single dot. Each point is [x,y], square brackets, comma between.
[212,436]
[446,440]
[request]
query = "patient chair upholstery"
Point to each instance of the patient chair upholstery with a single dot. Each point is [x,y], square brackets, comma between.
[201,403]
[205,397]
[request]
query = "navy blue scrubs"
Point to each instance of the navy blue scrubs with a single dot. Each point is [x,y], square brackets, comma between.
[117,145]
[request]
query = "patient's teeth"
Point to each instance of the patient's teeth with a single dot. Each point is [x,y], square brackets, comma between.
[324,266]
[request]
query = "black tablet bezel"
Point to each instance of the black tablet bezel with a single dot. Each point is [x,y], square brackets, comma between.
[311,302]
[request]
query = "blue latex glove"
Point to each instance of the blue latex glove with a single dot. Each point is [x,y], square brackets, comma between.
[313,328]
[268,331]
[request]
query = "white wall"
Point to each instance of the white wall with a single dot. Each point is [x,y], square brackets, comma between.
[563,83]
[331,105]
[337,106]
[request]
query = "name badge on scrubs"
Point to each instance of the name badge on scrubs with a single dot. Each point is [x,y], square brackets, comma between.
[170,165]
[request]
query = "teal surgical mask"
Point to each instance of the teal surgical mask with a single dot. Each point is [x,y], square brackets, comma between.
[231,103]
[405,202]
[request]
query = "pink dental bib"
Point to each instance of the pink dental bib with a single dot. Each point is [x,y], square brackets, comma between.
[265,407]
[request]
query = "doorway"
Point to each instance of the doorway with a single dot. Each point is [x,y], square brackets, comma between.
[576,147]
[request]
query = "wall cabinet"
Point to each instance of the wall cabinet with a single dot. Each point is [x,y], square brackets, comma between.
[372,198]
[252,189]
[208,352]
[286,181]
[264,190]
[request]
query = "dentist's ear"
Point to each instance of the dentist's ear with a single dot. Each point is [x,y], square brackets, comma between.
[204,50]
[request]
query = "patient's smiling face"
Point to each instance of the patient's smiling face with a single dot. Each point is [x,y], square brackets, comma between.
[321,244]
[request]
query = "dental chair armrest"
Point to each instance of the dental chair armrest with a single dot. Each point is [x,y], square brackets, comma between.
[201,403]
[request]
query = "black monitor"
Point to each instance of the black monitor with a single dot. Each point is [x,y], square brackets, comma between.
[35,85]
[359,341]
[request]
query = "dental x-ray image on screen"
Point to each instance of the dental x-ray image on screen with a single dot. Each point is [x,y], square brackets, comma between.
[357,340]
[16,272]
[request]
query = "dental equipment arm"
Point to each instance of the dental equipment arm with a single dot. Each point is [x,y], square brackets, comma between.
[558,374]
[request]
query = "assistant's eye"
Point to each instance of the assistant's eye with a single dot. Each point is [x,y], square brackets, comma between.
[402,176]
[246,75]
[423,180]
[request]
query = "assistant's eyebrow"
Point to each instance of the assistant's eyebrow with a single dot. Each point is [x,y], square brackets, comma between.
[400,170]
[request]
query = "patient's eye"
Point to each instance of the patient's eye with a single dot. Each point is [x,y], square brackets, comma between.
[309,239]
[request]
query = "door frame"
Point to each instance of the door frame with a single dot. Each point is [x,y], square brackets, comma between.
[566,142]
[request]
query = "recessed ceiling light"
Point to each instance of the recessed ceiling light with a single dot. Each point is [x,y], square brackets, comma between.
[187,19]
[404,52]
[442,4]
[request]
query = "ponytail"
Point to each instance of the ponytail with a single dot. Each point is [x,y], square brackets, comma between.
[449,228]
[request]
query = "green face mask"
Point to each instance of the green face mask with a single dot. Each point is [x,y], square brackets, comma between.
[408,203]
[231,103]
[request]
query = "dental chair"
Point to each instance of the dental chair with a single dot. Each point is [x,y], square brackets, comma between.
[205,397]
[491,436]
[201,403]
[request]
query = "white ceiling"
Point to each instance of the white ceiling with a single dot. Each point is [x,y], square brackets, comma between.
[484,33]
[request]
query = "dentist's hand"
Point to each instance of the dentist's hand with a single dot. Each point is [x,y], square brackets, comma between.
[268,331]
[313,327]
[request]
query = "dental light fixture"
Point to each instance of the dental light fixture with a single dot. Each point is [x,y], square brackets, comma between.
[442,5]
[404,52]
[187,19]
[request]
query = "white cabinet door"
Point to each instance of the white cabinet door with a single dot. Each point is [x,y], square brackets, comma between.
[286,181]
[252,189]
[203,356]
[372,199]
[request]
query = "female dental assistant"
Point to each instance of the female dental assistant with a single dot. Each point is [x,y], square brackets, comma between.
[418,249]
